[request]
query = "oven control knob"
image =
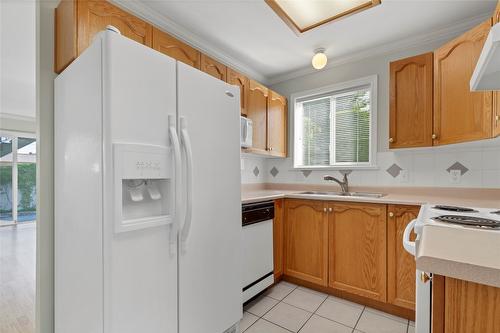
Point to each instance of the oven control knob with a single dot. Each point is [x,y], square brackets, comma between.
[424,277]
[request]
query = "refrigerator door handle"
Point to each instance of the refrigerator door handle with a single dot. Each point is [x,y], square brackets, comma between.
[186,143]
[177,186]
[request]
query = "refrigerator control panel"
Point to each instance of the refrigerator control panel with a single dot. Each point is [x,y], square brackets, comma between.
[143,186]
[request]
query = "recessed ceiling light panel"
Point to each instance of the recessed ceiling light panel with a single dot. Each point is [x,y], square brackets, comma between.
[303,15]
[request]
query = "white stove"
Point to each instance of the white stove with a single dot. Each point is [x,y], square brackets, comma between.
[459,217]
[481,219]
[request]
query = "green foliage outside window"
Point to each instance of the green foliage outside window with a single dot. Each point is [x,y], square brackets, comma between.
[26,178]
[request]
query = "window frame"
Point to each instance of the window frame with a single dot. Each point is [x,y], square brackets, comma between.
[372,82]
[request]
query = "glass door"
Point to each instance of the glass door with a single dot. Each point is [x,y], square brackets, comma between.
[17,180]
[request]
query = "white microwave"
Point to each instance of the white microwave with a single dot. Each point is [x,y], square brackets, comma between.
[246,130]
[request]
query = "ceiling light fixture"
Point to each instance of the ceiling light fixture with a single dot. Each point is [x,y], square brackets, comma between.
[319,59]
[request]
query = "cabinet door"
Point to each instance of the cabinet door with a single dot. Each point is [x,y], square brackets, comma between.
[411,102]
[357,249]
[306,240]
[65,48]
[496,16]
[176,49]
[278,239]
[213,67]
[276,124]
[240,80]
[459,114]
[257,112]
[94,16]
[464,307]
[400,264]
[496,114]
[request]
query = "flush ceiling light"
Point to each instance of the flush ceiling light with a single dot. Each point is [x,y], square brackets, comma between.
[304,15]
[319,59]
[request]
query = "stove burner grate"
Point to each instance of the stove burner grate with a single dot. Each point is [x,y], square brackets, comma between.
[455,209]
[473,221]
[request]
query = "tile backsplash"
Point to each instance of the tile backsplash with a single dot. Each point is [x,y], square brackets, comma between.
[253,169]
[466,165]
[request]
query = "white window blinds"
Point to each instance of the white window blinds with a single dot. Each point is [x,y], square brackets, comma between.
[334,129]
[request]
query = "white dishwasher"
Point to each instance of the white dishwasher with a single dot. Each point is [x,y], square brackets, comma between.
[257,223]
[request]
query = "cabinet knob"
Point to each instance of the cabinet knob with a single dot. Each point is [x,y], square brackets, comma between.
[391,140]
[330,209]
[424,277]
[434,136]
[391,214]
[270,148]
[324,209]
[497,118]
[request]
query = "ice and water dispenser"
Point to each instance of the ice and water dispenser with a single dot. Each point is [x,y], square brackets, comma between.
[143,186]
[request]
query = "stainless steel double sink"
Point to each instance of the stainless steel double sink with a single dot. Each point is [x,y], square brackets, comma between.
[346,194]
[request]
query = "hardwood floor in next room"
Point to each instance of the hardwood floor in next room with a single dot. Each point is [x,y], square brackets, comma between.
[17,278]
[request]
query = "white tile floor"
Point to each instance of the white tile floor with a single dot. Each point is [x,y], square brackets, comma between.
[289,308]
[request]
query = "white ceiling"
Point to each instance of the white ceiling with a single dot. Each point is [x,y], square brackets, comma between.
[248,34]
[17,58]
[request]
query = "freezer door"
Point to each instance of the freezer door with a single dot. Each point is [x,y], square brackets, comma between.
[210,257]
[140,271]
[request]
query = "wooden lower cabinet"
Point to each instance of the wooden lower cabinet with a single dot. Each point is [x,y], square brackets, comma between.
[357,249]
[401,268]
[278,239]
[306,240]
[464,307]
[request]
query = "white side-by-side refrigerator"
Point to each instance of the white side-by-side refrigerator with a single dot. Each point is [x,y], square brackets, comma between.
[147,194]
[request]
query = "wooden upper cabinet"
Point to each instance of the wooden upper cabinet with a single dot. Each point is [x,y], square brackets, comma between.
[411,102]
[459,114]
[306,240]
[78,21]
[357,249]
[257,112]
[176,49]
[278,238]
[401,268]
[240,80]
[496,113]
[213,67]
[496,16]
[277,112]
[464,307]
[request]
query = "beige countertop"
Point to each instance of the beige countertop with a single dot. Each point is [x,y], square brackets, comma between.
[487,198]
[463,253]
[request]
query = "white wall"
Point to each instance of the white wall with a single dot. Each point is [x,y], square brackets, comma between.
[45,170]
[17,60]
[426,166]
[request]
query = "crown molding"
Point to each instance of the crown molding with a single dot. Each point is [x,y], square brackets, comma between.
[146,13]
[443,34]
[13,116]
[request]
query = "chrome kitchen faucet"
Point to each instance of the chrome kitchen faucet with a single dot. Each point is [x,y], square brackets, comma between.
[344,184]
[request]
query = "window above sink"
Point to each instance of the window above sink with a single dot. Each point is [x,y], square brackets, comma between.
[335,127]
